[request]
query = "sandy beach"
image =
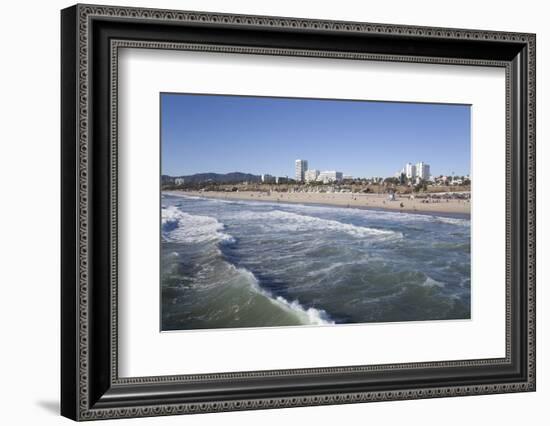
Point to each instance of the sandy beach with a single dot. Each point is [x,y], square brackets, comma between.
[374,201]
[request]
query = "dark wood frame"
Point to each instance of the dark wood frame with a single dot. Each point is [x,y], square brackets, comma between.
[90,386]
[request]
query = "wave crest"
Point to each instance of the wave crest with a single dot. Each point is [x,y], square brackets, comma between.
[182,227]
[310,316]
[288,221]
[453,221]
[430,282]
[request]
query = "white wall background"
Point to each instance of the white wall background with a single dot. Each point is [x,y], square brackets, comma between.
[29,211]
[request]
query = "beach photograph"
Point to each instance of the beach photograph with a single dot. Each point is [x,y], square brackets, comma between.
[280,212]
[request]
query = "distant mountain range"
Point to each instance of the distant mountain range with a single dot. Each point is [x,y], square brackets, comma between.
[233,177]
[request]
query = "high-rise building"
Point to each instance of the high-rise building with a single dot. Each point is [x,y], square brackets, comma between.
[423,170]
[410,171]
[330,176]
[267,178]
[300,170]
[311,175]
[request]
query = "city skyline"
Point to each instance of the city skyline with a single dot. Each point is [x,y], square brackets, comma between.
[260,135]
[409,171]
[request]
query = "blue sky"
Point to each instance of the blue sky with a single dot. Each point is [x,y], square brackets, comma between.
[221,134]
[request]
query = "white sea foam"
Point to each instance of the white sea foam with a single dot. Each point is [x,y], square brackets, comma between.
[287,221]
[185,228]
[430,282]
[453,221]
[306,315]
[399,217]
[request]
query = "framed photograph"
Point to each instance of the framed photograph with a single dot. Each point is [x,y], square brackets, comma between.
[263,212]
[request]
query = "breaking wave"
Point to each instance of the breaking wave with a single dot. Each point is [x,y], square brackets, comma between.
[288,221]
[182,227]
[310,316]
[430,282]
[453,221]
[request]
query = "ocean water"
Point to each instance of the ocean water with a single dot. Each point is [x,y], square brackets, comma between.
[228,264]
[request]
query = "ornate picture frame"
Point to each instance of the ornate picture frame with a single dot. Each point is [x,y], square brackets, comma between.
[91,37]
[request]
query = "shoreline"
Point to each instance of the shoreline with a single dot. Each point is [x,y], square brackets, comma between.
[379,202]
